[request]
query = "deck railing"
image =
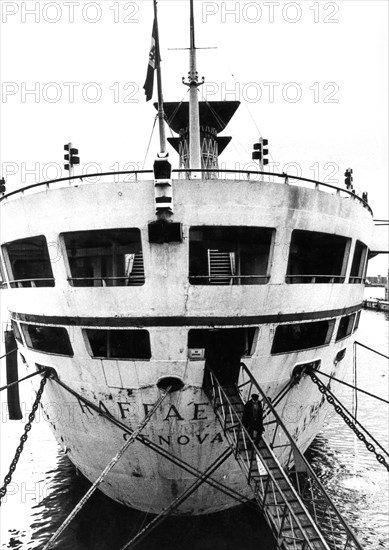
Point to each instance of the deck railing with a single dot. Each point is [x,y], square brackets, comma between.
[294,279]
[216,280]
[251,175]
[357,280]
[31,283]
[136,280]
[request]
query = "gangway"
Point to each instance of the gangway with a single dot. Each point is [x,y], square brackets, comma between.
[292,499]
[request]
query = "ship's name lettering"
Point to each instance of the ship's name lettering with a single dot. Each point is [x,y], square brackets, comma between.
[197,411]
[185,439]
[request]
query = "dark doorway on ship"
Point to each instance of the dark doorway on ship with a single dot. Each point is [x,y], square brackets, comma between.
[223,350]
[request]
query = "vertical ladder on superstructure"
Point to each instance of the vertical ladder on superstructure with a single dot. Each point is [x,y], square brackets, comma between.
[137,275]
[220,267]
[296,506]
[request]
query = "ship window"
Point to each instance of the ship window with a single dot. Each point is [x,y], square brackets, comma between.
[29,263]
[110,257]
[47,339]
[316,258]
[119,344]
[345,326]
[359,259]
[229,255]
[201,340]
[356,325]
[16,332]
[301,336]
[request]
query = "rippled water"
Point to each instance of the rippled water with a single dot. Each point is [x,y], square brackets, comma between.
[45,486]
[360,485]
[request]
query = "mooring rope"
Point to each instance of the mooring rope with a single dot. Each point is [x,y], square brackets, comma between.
[21,380]
[9,352]
[177,501]
[350,420]
[355,381]
[354,387]
[107,469]
[158,449]
[23,439]
[277,399]
[371,349]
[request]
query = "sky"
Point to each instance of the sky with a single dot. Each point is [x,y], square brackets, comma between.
[312,78]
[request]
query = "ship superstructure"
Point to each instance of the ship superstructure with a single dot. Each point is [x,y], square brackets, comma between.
[125,288]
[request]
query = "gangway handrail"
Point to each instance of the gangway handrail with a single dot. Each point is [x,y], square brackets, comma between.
[243,430]
[286,177]
[296,449]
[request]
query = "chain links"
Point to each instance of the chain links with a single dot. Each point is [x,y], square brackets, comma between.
[369,446]
[23,438]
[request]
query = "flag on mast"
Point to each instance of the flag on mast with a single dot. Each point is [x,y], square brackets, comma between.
[149,84]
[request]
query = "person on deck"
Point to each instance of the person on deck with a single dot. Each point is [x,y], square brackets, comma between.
[253,418]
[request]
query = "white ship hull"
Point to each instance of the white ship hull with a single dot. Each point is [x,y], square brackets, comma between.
[168,306]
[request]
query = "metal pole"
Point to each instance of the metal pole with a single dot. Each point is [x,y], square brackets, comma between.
[161,114]
[194,115]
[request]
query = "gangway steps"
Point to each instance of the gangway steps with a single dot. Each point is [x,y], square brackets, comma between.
[266,457]
[274,500]
[281,496]
[272,503]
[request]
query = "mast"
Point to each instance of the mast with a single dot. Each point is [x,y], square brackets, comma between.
[194,117]
[161,114]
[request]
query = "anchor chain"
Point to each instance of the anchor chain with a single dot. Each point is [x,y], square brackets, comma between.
[23,439]
[369,446]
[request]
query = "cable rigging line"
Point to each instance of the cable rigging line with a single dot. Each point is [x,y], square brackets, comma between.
[355,373]
[170,119]
[107,469]
[331,397]
[9,352]
[177,501]
[246,104]
[371,349]
[354,387]
[157,448]
[23,439]
[20,380]
[151,137]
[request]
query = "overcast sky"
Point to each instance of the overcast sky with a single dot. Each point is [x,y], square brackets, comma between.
[312,78]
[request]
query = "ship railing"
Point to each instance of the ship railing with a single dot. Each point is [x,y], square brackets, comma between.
[31,283]
[228,279]
[357,280]
[138,175]
[135,280]
[295,279]
[307,484]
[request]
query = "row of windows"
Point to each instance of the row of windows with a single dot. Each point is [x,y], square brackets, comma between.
[312,335]
[134,344]
[217,256]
